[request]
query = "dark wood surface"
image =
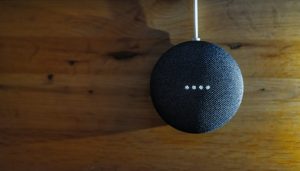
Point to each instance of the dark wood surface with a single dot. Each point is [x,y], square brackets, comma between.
[74,85]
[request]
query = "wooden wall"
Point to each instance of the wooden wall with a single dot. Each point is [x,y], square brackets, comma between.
[74,85]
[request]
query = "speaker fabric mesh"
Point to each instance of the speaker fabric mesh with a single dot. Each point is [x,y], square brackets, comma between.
[200,64]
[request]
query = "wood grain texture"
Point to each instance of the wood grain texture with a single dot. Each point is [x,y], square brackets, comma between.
[74,85]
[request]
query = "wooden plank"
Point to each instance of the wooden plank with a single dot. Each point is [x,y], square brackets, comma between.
[74,85]
[229,20]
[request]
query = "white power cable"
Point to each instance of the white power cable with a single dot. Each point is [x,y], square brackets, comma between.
[196,23]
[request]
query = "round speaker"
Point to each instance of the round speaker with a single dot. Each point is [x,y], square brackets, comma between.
[196,87]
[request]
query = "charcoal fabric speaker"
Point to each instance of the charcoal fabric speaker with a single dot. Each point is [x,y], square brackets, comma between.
[196,87]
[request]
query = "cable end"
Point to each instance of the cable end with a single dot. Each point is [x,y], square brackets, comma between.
[196,39]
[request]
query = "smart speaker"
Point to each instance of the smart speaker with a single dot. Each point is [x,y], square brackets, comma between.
[196,86]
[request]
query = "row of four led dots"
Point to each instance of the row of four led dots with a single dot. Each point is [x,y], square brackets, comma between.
[193,87]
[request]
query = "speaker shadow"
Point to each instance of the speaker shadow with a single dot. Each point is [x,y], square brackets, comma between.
[107,65]
[134,48]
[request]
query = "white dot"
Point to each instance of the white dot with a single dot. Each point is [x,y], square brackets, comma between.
[194,87]
[187,87]
[201,87]
[207,87]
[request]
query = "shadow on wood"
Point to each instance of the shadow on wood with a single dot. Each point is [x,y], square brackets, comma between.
[86,76]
